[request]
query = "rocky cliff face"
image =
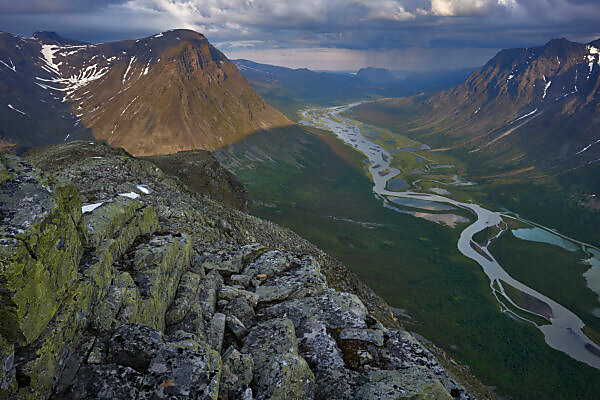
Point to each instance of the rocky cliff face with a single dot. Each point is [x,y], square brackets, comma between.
[119,282]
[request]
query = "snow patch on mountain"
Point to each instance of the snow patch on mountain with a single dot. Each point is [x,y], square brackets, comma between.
[131,60]
[524,116]
[48,51]
[11,66]
[587,147]
[75,82]
[16,109]
[546,87]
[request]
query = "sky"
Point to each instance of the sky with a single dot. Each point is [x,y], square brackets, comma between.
[323,34]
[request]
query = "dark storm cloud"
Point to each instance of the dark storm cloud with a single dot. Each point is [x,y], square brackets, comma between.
[51,6]
[364,25]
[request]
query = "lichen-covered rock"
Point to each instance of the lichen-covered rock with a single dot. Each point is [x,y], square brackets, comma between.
[143,365]
[279,371]
[412,383]
[193,322]
[269,264]
[216,331]
[315,320]
[39,248]
[228,261]
[130,301]
[112,215]
[186,295]
[360,346]
[285,377]
[104,382]
[7,368]
[133,346]
[158,266]
[242,309]
[41,362]
[240,280]
[373,336]
[337,310]
[236,326]
[105,317]
[209,291]
[279,276]
[181,373]
[230,293]
[276,306]
[236,374]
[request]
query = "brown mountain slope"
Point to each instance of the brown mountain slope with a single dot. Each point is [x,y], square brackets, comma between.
[162,94]
[535,107]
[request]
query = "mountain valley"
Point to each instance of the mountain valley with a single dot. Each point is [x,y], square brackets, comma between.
[390,175]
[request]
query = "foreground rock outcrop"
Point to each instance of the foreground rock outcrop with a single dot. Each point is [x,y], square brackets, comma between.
[117,282]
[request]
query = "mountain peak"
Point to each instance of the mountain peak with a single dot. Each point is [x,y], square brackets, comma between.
[375,75]
[48,37]
[161,94]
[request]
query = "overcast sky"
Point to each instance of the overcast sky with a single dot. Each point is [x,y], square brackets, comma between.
[323,34]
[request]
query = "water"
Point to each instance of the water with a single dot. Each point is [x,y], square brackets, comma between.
[423,204]
[563,333]
[397,184]
[543,236]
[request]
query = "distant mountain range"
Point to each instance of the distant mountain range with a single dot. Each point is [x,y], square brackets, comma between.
[160,94]
[291,89]
[527,110]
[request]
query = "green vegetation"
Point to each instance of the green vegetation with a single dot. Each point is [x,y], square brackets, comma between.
[486,234]
[551,270]
[517,311]
[532,192]
[592,334]
[320,191]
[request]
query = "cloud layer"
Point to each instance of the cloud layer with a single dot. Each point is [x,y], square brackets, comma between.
[365,26]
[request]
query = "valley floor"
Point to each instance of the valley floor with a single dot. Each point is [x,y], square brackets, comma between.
[321,191]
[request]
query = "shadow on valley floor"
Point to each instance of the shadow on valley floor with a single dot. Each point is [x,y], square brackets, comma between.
[310,182]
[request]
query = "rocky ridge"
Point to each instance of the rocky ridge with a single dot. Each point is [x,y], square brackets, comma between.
[119,282]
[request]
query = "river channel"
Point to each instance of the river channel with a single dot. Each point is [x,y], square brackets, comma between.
[564,330]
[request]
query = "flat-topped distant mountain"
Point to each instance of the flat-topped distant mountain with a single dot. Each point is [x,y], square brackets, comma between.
[293,89]
[375,75]
[160,94]
[526,110]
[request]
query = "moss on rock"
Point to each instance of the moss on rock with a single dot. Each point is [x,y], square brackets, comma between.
[39,248]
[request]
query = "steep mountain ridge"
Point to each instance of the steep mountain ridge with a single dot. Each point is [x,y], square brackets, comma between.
[161,94]
[533,108]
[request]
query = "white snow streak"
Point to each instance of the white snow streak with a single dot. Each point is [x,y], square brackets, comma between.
[131,60]
[592,57]
[75,82]
[131,195]
[144,189]
[15,109]
[126,107]
[524,116]
[11,66]
[546,87]
[90,207]
[587,147]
